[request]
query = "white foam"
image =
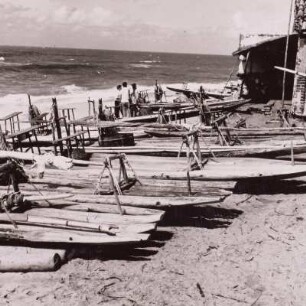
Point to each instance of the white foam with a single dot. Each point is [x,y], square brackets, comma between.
[71,89]
[77,97]
[140,65]
[150,61]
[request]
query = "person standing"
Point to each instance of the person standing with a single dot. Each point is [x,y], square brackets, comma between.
[158,92]
[118,101]
[133,99]
[125,100]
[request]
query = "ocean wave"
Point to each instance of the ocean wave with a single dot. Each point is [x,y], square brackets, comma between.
[140,65]
[75,96]
[150,61]
[11,64]
[45,66]
[71,89]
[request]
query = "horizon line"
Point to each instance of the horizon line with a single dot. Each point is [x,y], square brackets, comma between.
[116,50]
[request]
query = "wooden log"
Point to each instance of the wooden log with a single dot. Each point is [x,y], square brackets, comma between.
[65,224]
[172,191]
[36,234]
[50,222]
[48,197]
[234,169]
[197,185]
[26,259]
[106,204]
[113,219]
[154,202]
[89,206]
[221,151]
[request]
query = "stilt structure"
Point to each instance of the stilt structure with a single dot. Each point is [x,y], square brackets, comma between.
[117,185]
[299,88]
[193,149]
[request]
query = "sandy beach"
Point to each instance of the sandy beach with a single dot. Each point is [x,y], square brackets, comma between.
[248,251]
[246,245]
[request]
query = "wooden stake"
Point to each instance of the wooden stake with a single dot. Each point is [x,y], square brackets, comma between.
[189,183]
[57,124]
[292,154]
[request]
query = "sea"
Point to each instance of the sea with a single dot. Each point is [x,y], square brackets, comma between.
[75,75]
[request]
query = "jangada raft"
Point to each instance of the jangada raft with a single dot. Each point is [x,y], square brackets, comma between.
[172,149]
[24,221]
[234,169]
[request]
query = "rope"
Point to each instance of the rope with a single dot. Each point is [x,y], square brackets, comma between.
[286,55]
[9,217]
[49,203]
[229,78]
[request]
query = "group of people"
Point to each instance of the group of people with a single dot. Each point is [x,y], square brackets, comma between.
[127,100]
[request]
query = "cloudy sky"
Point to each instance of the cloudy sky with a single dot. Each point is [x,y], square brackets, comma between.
[191,26]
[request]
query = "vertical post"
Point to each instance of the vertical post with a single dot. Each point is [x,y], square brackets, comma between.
[18,123]
[292,154]
[100,110]
[197,144]
[286,56]
[57,124]
[299,87]
[188,183]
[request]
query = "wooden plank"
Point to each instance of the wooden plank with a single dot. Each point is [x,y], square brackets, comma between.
[99,218]
[37,234]
[154,202]
[47,222]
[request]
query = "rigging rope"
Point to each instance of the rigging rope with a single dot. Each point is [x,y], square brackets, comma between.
[230,77]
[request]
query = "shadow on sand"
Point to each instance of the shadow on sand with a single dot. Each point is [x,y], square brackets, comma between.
[261,186]
[209,217]
[141,251]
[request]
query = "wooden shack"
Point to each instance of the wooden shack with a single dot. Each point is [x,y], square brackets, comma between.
[258,54]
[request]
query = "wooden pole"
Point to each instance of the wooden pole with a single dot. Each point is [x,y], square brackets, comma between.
[292,154]
[57,124]
[286,56]
[188,183]
[100,110]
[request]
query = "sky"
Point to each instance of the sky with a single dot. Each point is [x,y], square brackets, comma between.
[185,26]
